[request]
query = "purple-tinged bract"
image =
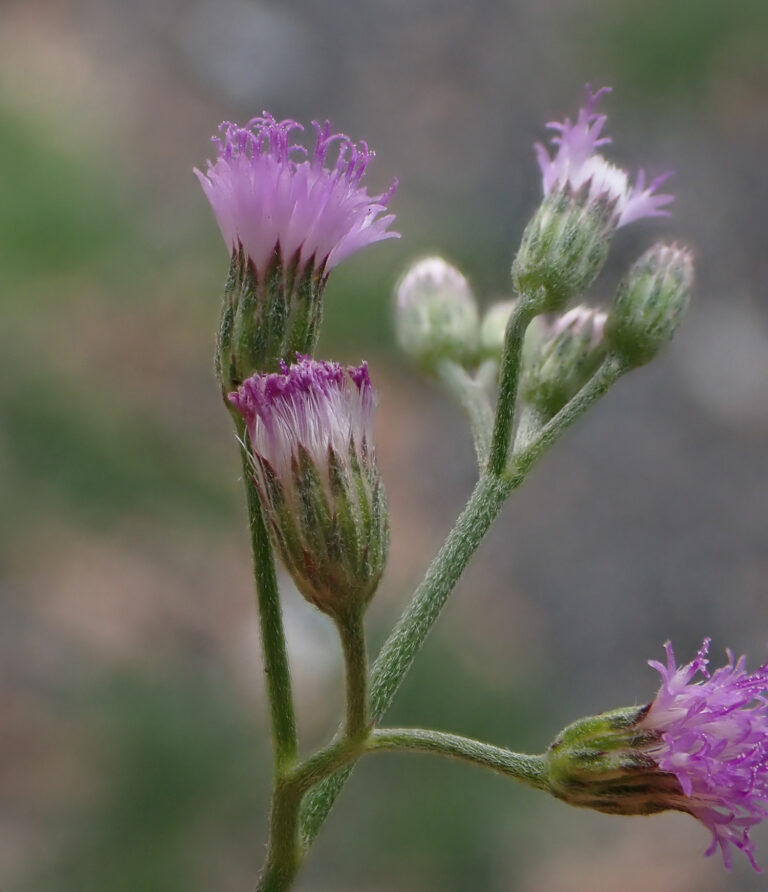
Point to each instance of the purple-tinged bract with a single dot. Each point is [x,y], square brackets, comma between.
[310,440]
[270,195]
[714,740]
[578,165]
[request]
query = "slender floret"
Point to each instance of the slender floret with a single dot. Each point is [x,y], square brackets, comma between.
[288,217]
[310,439]
[269,194]
[714,739]
[578,164]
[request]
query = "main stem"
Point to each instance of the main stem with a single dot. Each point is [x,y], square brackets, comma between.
[276,669]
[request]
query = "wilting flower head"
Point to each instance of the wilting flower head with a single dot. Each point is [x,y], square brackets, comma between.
[586,198]
[577,165]
[436,314]
[699,747]
[560,356]
[288,218]
[713,737]
[310,430]
[269,194]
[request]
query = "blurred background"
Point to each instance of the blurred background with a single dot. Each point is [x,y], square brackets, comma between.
[133,744]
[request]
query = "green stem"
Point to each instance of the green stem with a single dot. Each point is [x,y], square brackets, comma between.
[523,460]
[510,371]
[352,633]
[530,423]
[530,770]
[473,398]
[284,854]
[276,669]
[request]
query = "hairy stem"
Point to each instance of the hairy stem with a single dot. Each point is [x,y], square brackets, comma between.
[352,634]
[473,397]
[276,669]
[510,371]
[530,770]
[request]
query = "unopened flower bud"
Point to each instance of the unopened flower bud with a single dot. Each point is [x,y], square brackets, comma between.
[287,219]
[700,747]
[494,327]
[649,303]
[559,357]
[310,443]
[436,314]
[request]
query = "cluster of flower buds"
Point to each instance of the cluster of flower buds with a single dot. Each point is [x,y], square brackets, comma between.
[698,747]
[310,440]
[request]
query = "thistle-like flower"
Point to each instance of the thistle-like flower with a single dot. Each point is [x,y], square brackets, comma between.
[578,166]
[586,198]
[713,737]
[287,220]
[699,747]
[310,440]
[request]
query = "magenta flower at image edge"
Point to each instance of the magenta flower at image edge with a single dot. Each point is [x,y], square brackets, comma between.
[577,164]
[714,739]
[268,193]
[316,405]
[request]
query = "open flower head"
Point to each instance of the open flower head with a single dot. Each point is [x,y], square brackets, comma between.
[714,740]
[700,747]
[578,165]
[310,440]
[270,195]
[288,217]
[586,199]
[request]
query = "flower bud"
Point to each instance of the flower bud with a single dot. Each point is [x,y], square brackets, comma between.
[564,246]
[494,327]
[436,315]
[649,303]
[560,357]
[310,443]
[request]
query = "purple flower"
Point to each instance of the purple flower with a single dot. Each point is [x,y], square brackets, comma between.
[310,430]
[269,194]
[714,740]
[310,405]
[577,164]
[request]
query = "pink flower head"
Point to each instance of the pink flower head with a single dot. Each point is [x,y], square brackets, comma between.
[714,740]
[269,194]
[577,164]
[314,406]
